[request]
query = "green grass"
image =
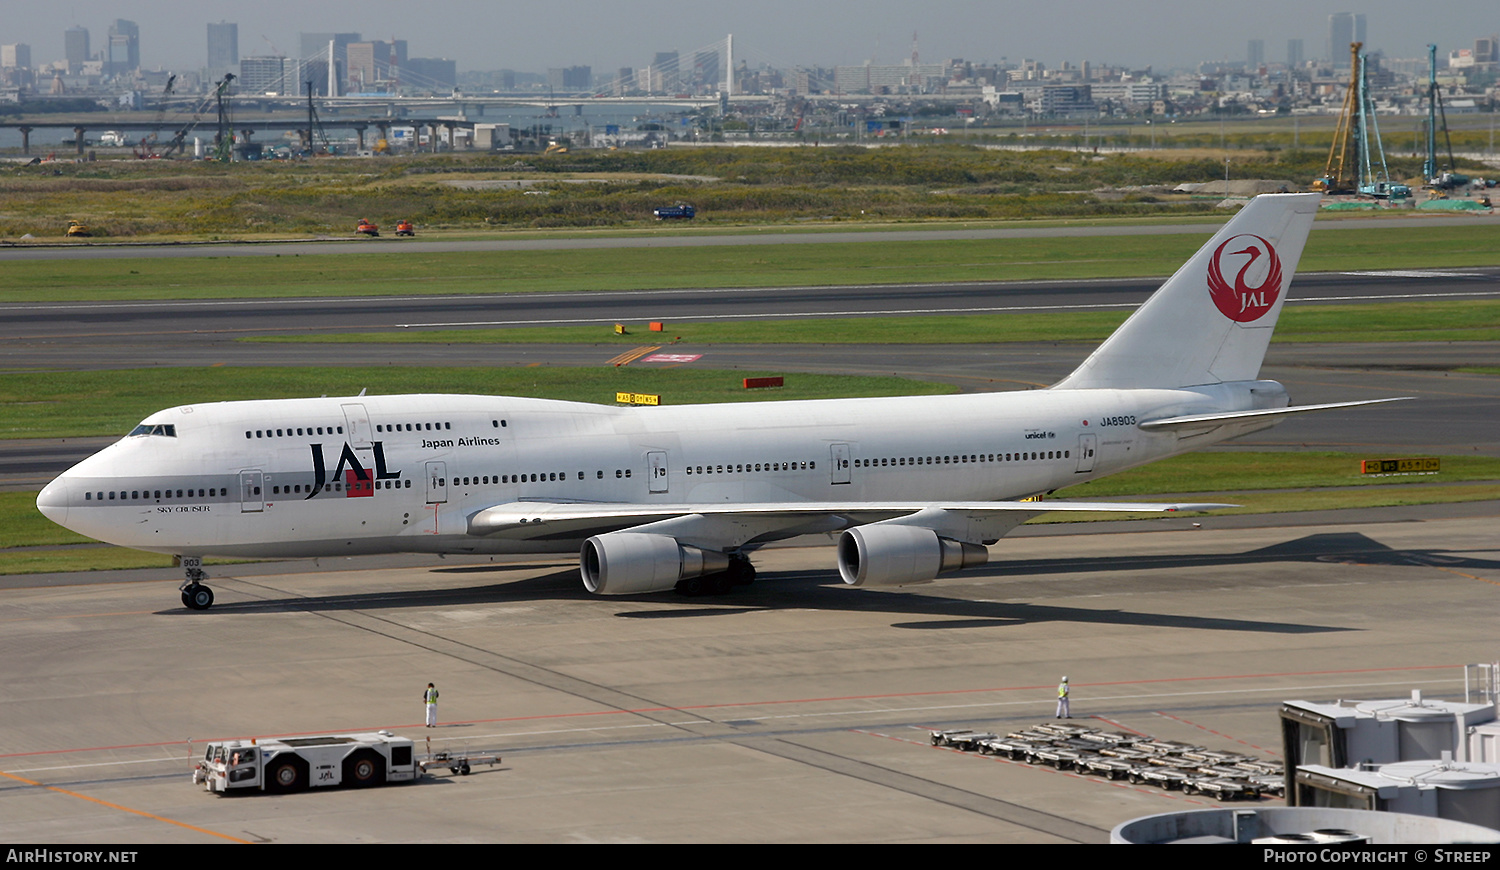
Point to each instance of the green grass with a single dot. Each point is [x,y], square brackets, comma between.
[1466,320]
[85,403]
[1237,472]
[876,262]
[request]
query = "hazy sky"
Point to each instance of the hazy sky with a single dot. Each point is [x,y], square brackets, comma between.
[607,34]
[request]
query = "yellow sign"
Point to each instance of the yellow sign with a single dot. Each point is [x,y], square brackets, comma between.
[1399,466]
[637,399]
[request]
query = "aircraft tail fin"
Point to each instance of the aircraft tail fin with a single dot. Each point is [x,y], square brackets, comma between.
[1212,320]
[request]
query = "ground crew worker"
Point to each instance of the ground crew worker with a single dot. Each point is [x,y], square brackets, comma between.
[429,698]
[1062,700]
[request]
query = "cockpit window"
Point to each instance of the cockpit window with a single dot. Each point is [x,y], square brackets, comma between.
[169,430]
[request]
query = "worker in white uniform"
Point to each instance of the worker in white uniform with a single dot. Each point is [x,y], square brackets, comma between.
[429,698]
[1062,700]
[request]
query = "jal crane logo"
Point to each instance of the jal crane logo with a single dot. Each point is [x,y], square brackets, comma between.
[1242,301]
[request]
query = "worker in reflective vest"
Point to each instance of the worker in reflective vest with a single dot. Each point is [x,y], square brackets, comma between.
[429,698]
[1062,700]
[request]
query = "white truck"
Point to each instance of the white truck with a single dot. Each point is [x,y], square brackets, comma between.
[295,763]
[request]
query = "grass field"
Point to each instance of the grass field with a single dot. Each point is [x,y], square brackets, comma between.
[875,262]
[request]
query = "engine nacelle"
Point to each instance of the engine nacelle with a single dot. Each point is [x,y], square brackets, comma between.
[625,563]
[885,554]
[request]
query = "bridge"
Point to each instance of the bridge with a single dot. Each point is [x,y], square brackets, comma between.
[82,125]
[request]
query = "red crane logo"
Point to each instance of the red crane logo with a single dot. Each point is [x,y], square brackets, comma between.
[1241,301]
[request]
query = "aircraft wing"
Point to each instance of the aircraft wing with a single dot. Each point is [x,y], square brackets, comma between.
[732,524]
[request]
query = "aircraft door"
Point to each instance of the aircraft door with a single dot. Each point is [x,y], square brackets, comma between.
[841,469]
[437,483]
[656,461]
[357,425]
[252,499]
[1086,447]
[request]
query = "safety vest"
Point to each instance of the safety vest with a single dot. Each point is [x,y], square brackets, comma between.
[1062,690]
[431,695]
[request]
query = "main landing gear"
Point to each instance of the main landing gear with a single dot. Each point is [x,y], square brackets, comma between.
[195,595]
[739,573]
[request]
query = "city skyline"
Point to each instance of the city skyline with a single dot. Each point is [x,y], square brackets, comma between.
[482,36]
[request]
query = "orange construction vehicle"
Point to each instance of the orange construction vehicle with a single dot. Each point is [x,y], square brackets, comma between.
[404,228]
[366,228]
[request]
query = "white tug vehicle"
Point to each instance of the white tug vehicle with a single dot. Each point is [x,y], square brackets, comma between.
[295,763]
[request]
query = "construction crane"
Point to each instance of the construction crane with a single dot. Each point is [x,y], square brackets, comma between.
[1447,178]
[178,141]
[224,138]
[146,150]
[1356,159]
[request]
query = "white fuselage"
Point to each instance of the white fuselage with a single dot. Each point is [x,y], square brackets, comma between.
[376,474]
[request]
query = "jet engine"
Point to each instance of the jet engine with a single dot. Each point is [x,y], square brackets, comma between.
[885,554]
[625,563]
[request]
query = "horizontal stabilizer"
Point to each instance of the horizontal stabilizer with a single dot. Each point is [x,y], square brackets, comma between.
[1196,420]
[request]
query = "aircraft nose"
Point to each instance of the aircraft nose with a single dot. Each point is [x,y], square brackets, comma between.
[52,501]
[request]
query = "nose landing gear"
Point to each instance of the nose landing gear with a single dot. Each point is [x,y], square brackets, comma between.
[195,595]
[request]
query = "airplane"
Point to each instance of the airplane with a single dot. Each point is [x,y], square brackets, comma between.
[660,498]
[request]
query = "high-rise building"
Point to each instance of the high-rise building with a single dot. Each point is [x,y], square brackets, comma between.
[573,78]
[270,75]
[1487,50]
[1294,53]
[665,73]
[375,62]
[76,48]
[1255,54]
[15,56]
[223,49]
[124,53]
[1344,28]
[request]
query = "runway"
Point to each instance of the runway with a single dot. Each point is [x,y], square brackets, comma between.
[793,711]
[120,327]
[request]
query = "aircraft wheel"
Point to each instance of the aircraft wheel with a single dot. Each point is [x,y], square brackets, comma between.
[740,572]
[463,769]
[198,597]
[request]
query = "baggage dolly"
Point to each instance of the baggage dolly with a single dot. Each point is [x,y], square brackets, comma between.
[458,762]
